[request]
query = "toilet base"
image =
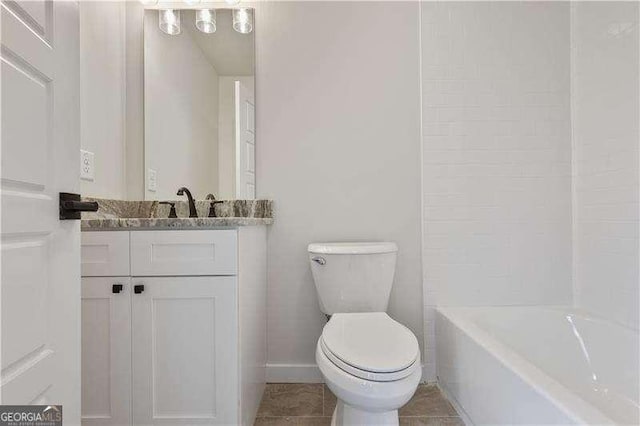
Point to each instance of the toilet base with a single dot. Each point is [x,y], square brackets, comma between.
[346,415]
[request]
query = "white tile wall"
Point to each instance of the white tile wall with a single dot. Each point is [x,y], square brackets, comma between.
[496,155]
[605,129]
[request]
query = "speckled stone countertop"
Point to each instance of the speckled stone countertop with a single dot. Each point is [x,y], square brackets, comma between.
[119,214]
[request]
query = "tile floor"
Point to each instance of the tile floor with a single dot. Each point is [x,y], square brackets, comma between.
[296,404]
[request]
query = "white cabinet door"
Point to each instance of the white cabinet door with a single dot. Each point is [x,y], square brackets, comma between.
[40,333]
[106,351]
[185,339]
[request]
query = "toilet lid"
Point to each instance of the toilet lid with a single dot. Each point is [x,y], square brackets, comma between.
[371,342]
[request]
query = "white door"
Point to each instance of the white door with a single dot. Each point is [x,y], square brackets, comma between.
[185,337]
[245,134]
[40,331]
[106,351]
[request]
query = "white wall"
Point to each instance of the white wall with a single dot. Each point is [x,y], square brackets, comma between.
[338,149]
[496,155]
[605,128]
[226,133]
[181,113]
[102,95]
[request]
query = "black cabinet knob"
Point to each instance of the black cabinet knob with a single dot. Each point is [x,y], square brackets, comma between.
[116,288]
[138,288]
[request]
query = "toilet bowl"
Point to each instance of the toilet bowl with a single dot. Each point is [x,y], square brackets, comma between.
[372,364]
[369,361]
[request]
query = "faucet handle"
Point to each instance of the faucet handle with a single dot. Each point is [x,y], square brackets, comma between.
[172,211]
[212,205]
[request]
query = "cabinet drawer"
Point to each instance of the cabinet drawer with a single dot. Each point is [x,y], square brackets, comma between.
[105,254]
[155,253]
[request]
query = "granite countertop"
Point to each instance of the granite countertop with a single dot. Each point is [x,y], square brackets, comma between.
[119,214]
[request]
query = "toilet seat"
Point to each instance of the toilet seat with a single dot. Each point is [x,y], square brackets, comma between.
[370,345]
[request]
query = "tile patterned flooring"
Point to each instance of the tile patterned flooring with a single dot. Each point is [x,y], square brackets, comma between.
[298,404]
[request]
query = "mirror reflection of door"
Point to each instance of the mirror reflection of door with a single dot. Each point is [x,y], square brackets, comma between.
[245,143]
[192,117]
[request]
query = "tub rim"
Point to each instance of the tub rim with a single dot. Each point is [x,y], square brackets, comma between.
[567,401]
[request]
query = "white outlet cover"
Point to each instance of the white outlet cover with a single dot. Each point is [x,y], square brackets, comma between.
[87,165]
[152,180]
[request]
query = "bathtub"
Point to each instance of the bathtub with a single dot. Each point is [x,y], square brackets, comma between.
[537,365]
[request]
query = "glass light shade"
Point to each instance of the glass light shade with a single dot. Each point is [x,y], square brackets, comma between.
[169,21]
[243,20]
[206,20]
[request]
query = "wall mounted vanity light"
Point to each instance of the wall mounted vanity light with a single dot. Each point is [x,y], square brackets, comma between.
[169,21]
[206,20]
[242,20]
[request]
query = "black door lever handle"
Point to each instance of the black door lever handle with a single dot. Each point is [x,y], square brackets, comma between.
[71,206]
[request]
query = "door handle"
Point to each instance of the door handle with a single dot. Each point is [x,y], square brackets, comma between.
[116,288]
[138,288]
[71,206]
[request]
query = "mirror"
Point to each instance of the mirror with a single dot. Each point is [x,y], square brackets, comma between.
[199,104]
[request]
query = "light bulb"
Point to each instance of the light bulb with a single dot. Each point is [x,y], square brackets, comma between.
[169,21]
[242,20]
[206,20]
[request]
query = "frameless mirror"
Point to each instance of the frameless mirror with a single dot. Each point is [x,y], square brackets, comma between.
[199,104]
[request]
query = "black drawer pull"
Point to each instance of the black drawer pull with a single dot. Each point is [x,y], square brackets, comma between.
[138,288]
[116,288]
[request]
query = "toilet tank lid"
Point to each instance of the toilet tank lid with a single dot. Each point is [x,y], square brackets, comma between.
[353,248]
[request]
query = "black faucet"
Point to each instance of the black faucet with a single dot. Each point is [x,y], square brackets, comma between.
[192,205]
[212,204]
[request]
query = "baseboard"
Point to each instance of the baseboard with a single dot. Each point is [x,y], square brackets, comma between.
[428,376]
[294,373]
[310,373]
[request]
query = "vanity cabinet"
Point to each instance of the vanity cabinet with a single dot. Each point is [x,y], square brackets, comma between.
[182,342]
[106,351]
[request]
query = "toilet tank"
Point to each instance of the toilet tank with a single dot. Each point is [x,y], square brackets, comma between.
[353,277]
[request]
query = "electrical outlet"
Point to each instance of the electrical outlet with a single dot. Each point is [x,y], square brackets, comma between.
[87,165]
[152,180]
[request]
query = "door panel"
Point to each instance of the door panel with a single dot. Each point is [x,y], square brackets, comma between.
[184,346]
[106,352]
[245,143]
[40,340]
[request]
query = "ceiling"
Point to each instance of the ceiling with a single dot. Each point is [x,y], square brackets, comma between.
[230,52]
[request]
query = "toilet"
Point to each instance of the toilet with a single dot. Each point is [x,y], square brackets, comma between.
[369,361]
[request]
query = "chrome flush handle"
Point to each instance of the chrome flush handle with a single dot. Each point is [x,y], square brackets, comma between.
[319,260]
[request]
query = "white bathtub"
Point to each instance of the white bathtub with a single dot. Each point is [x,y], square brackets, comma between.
[537,365]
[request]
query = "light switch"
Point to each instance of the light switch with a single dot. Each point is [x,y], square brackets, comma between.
[152,180]
[87,165]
